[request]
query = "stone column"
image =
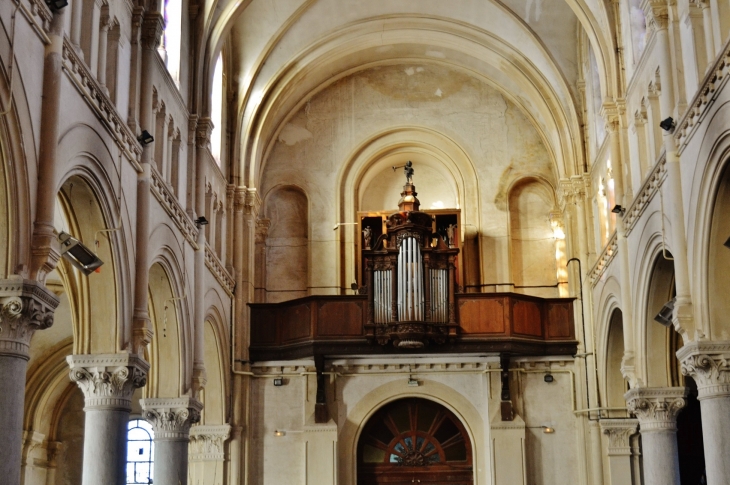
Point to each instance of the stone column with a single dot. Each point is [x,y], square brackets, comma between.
[657,409]
[106,24]
[619,432]
[171,419]
[707,363]
[25,306]
[108,382]
[207,453]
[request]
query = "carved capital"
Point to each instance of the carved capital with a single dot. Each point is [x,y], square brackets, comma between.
[565,193]
[708,363]
[656,13]
[253,202]
[262,230]
[171,418]
[619,432]
[656,407]
[203,132]
[239,199]
[152,27]
[25,306]
[207,442]
[108,380]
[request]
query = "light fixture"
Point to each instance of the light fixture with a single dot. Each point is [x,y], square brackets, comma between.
[727,243]
[56,5]
[548,378]
[413,382]
[279,433]
[668,125]
[278,381]
[145,138]
[79,255]
[201,221]
[547,429]
[344,224]
[617,209]
[665,314]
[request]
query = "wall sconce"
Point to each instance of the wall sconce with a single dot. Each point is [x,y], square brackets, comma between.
[278,381]
[201,221]
[668,125]
[344,224]
[56,5]
[665,314]
[547,429]
[548,378]
[78,255]
[145,138]
[617,209]
[413,382]
[278,433]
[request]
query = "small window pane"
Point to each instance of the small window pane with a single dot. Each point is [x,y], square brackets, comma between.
[140,452]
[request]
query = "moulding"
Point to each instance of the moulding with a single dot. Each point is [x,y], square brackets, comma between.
[101,105]
[172,206]
[707,92]
[649,189]
[603,261]
[219,271]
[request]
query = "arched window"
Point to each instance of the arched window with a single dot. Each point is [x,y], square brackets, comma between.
[414,439]
[216,110]
[171,40]
[140,450]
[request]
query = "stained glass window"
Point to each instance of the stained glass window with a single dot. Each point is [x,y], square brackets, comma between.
[140,452]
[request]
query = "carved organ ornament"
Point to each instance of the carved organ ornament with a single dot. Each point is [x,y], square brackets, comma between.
[410,277]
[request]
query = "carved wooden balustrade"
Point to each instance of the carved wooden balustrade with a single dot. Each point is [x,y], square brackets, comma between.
[505,323]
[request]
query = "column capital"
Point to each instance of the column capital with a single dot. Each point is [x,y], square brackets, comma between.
[108,380]
[708,363]
[152,27]
[656,13]
[656,407]
[25,306]
[253,202]
[206,442]
[171,418]
[203,132]
[619,432]
[262,230]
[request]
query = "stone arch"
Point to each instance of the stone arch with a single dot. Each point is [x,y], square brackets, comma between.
[287,244]
[474,423]
[375,153]
[532,237]
[615,384]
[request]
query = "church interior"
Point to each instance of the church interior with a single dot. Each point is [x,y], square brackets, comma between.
[331,242]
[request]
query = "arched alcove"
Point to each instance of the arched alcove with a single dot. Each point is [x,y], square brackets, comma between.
[414,439]
[661,364]
[532,238]
[166,363]
[718,269]
[214,394]
[616,385]
[287,245]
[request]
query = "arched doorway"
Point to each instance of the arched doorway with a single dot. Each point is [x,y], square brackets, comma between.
[414,441]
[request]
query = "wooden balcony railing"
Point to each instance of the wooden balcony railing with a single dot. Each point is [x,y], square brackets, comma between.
[508,323]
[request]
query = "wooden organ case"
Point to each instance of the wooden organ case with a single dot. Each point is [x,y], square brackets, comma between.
[410,278]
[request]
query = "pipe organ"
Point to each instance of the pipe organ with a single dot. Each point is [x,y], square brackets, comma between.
[410,279]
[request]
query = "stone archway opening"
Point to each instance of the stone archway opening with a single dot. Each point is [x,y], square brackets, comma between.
[414,440]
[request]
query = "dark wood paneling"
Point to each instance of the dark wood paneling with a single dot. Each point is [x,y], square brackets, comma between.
[559,321]
[340,319]
[263,325]
[296,323]
[482,315]
[526,318]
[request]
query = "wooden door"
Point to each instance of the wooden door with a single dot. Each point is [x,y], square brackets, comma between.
[414,441]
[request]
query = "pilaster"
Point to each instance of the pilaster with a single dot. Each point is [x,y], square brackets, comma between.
[619,432]
[207,442]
